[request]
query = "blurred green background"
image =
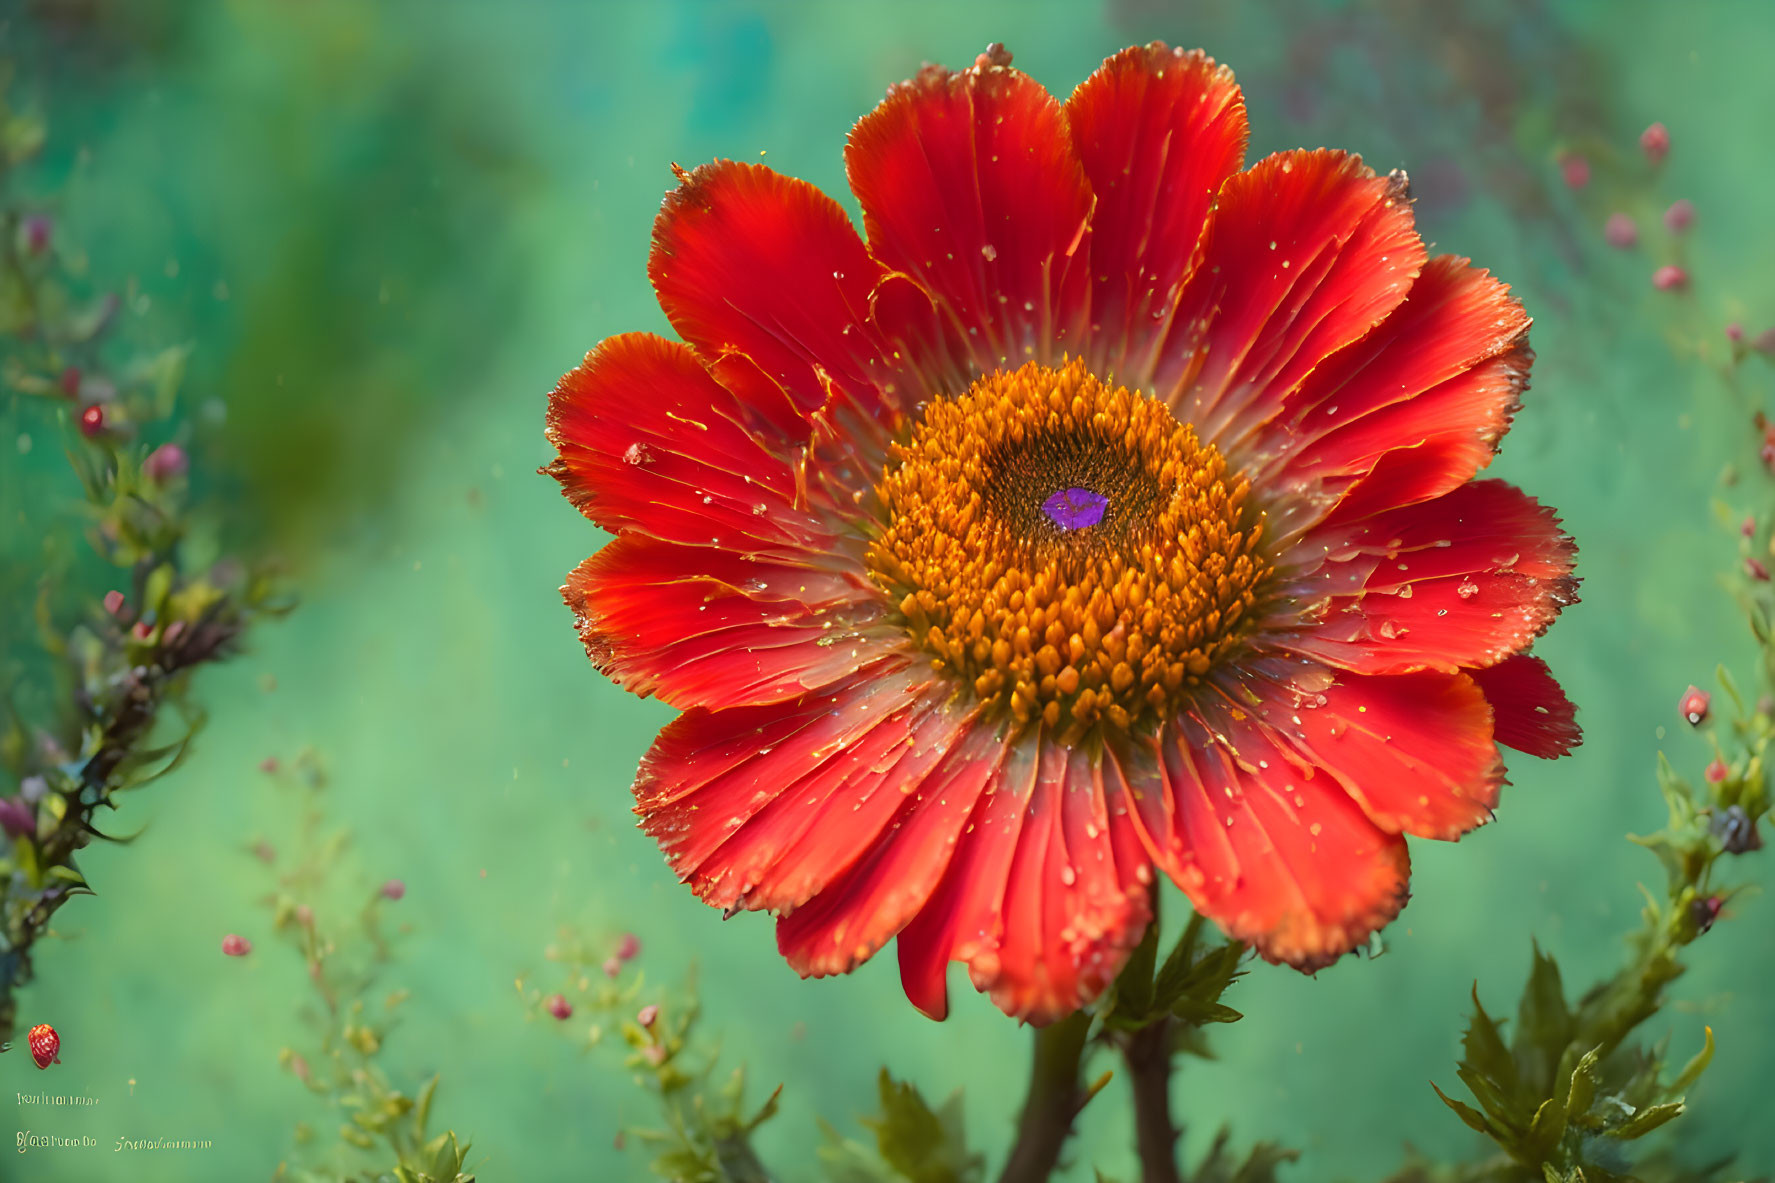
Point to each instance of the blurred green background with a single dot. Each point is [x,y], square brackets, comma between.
[387,228]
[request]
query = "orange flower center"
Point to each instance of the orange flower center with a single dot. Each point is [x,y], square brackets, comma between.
[1066,548]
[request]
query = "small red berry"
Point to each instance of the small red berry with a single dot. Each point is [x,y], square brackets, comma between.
[1654,141]
[236,946]
[1716,771]
[394,889]
[1669,277]
[1620,231]
[92,421]
[1693,705]
[45,1043]
[629,947]
[1680,216]
[559,1007]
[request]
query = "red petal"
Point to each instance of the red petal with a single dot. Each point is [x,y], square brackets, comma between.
[1071,913]
[699,626]
[1532,713]
[1415,751]
[1158,131]
[762,807]
[970,185]
[1433,387]
[1411,379]
[749,261]
[1305,253]
[858,913]
[648,441]
[1461,581]
[964,916]
[1289,864]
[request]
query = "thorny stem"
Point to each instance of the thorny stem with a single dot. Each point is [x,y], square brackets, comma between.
[1148,1052]
[1056,1095]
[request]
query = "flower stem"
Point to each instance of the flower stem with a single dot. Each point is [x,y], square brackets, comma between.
[1055,1097]
[1148,1052]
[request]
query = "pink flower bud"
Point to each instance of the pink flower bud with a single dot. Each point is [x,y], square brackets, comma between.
[1693,705]
[656,1055]
[1575,169]
[304,915]
[236,946]
[166,463]
[394,889]
[612,967]
[1654,141]
[1680,216]
[268,765]
[1749,528]
[142,630]
[559,1007]
[16,817]
[114,602]
[1756,570]
[1669,278]
[92,421]
[1620,231]
[648,1015]
[36,234]
[1734,332]
[629,947]
[1716,771]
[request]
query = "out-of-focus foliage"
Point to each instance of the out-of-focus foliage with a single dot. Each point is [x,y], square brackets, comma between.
[89,715]
[323,908]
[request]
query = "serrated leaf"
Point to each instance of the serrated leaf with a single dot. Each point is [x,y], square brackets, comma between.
[919,1144]
[1489,1071]
[1646,1120]
[1548,1126]
[1543,1024]
[1134,985]
[1582,1090]
[1473,1118]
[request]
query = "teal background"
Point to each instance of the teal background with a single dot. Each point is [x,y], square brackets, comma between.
[423,213]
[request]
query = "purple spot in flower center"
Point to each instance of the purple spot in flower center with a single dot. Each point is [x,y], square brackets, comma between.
[1075,508]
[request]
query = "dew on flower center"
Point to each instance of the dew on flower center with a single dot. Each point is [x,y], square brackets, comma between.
[1067,549]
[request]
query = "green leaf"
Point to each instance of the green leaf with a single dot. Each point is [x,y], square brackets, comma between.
[1489,1071]
[1694,1068]
[1543,1024]
[1647,1120]
[422,1109]
[1134,985]
[1582,1090]
[1473,1118]
[919,1144]
[1548,1126]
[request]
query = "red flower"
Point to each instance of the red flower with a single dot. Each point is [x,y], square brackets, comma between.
[1110,508]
